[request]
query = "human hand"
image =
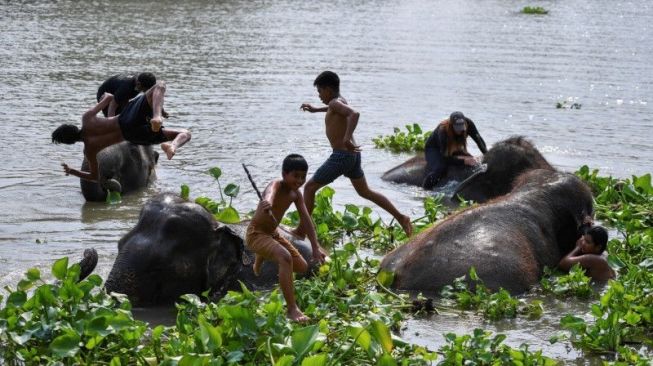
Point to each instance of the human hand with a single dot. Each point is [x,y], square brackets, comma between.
[349,144]
[319,255]
[264,205]
[155,123]
[470,160]
[66,169]
[307,108]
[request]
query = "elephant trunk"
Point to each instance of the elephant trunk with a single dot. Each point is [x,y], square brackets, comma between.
[88,263]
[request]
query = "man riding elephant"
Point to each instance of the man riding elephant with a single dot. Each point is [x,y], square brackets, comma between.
[447,146]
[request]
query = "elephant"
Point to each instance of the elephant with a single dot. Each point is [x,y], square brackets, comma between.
[508,240]
[176,248]
[505,161]
[123,167]
[412,172]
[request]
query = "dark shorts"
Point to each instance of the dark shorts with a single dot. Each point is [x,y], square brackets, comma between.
[135,123]
[339,163]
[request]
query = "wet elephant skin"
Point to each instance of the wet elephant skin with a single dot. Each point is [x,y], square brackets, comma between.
[508,240]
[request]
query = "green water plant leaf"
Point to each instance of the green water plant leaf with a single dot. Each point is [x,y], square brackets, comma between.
[228,216]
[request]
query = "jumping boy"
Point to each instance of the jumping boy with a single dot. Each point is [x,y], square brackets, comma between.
[341,120]
[587,253]
[264,239]
[139,123]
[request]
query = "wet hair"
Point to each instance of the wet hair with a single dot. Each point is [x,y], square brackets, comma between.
[328,79]
[66,134]
[294,162]
[147,80]
[599,236]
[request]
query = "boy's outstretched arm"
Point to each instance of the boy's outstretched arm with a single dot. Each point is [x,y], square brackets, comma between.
[107,98]
[309,108]
[351,118]
[90,176]
[306,224]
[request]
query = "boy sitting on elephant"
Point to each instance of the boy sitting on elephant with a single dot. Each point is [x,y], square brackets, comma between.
[590,245]
[264,239]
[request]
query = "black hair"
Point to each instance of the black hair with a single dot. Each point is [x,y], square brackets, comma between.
[599,236]
[456,115]
[328,79]
[66,134]
[294,162]
[147,80]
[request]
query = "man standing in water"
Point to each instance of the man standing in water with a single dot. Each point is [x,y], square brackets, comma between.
[139,123]
[341,120]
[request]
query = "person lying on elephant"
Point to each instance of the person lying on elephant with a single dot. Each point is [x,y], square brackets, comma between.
[125,87]
[139,123]
[447,145]
[264,239]
[587,253]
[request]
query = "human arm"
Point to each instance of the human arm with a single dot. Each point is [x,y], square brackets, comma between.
[309,108]
[351,119]
[90,176]
[306,224]
[473,133]
[103,103]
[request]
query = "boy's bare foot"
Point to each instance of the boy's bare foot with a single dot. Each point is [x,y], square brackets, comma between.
[168,149]
[258,262]
[296,315]
[406,225]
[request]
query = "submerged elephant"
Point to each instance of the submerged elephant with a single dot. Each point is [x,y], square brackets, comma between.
[129,165]
[412,172]
[508,240]
[176,248]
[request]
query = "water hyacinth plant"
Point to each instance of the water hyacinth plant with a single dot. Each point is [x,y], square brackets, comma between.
[400,141]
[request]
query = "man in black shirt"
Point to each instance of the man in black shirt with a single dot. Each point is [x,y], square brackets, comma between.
[447,145]
[125,87]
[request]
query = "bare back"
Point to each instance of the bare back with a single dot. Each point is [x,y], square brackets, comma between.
[98,133]
[280,202]
[336,124]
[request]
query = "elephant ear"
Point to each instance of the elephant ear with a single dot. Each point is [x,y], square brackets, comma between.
[228,236]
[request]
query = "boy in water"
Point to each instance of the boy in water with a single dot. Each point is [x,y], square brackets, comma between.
[139,123]
[264,239]
[341,120]
[587,253]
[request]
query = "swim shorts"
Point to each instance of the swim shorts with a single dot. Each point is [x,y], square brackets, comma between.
[339,163]
[134,123]
[263,243]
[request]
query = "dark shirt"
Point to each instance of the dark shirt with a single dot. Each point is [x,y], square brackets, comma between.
[439,139]
[134,123]
[122,86]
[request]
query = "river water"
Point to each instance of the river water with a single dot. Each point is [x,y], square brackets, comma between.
[237,72]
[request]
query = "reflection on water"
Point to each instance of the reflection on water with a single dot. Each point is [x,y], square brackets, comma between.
[238,71]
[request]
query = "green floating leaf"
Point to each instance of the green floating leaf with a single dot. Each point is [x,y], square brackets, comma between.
[231,190]
[316,360]
[385,278]
[381,334]
[66,345]
[185,191]
[215,172]
[228,216]
[60,268]
[302,340]
[113,197]
[33,274]
[386,360]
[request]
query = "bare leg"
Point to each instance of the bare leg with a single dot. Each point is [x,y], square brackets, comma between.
[364,191]
[285,262]
[178,137]
[310,189]
[258,262]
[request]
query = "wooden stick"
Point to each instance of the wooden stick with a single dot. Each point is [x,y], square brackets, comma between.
[260,197]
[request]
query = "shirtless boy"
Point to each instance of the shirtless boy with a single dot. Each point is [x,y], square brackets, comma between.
[264,239]
[139,123]
[341,120]
[587,253]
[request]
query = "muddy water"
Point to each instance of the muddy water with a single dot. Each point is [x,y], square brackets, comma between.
[238,71]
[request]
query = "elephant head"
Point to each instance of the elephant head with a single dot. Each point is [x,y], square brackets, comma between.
[175,248]
[505,161]
[123,167]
